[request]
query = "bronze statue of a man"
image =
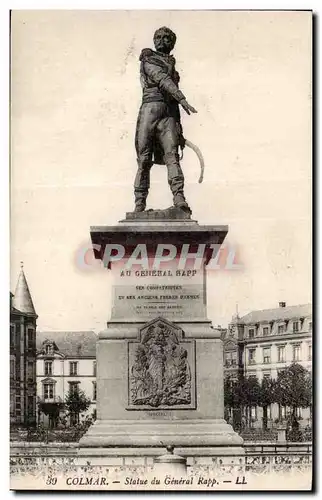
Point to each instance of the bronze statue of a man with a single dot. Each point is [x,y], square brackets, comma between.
[159,131]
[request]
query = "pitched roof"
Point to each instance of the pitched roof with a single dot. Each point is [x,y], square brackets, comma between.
[22,298]
[279,313]
[73,344]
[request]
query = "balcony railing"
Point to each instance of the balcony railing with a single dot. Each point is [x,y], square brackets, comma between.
[54,399]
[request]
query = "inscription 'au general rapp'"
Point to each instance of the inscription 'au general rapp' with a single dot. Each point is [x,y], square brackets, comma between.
[154,273]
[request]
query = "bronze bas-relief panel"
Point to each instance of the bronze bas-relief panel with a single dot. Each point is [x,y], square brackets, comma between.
[161,369]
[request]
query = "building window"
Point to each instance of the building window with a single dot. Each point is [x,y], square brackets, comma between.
[94,391]
[48,368]
[267,376]
[30,405]
[12,368]
[12,404]
[49,349]
[18,402]
[30,338]
[228,380]
[295,326]
[231,358]
[251,356]
[73,368]
[12,335]
[265,331]
[281,354]
[49,391]
[310,326]
[281,328]
[30,370]
[73,387]
[296,353]
[310,352]
[94,368]
[251,333]
[231,331]
[266,354]
[232,381]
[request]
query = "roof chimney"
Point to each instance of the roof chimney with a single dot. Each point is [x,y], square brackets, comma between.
[282,304]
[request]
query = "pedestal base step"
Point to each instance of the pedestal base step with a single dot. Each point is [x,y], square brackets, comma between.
[160,433]
[123,457]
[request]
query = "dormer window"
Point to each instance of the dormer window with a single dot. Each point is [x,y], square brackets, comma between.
[281,328]
[295,326]
[49,349]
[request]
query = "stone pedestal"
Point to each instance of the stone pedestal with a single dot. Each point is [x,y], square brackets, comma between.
[159,361]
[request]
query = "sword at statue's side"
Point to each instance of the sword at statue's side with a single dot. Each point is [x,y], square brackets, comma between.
[200,157]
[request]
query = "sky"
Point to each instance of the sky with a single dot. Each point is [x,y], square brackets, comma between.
[75,95]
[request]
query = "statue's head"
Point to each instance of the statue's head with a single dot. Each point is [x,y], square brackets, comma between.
[164,40]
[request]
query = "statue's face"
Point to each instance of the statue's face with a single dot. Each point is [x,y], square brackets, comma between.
[163,42]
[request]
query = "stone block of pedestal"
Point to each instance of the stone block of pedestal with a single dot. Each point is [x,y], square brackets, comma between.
[159,361]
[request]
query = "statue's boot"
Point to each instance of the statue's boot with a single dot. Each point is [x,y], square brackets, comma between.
[139,206]
[179,201]
[176,181]
[142,184]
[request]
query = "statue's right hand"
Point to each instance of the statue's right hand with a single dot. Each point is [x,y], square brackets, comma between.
[186,106]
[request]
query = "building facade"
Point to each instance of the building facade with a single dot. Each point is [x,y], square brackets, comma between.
[66,362]
[23,323]
[264,342]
